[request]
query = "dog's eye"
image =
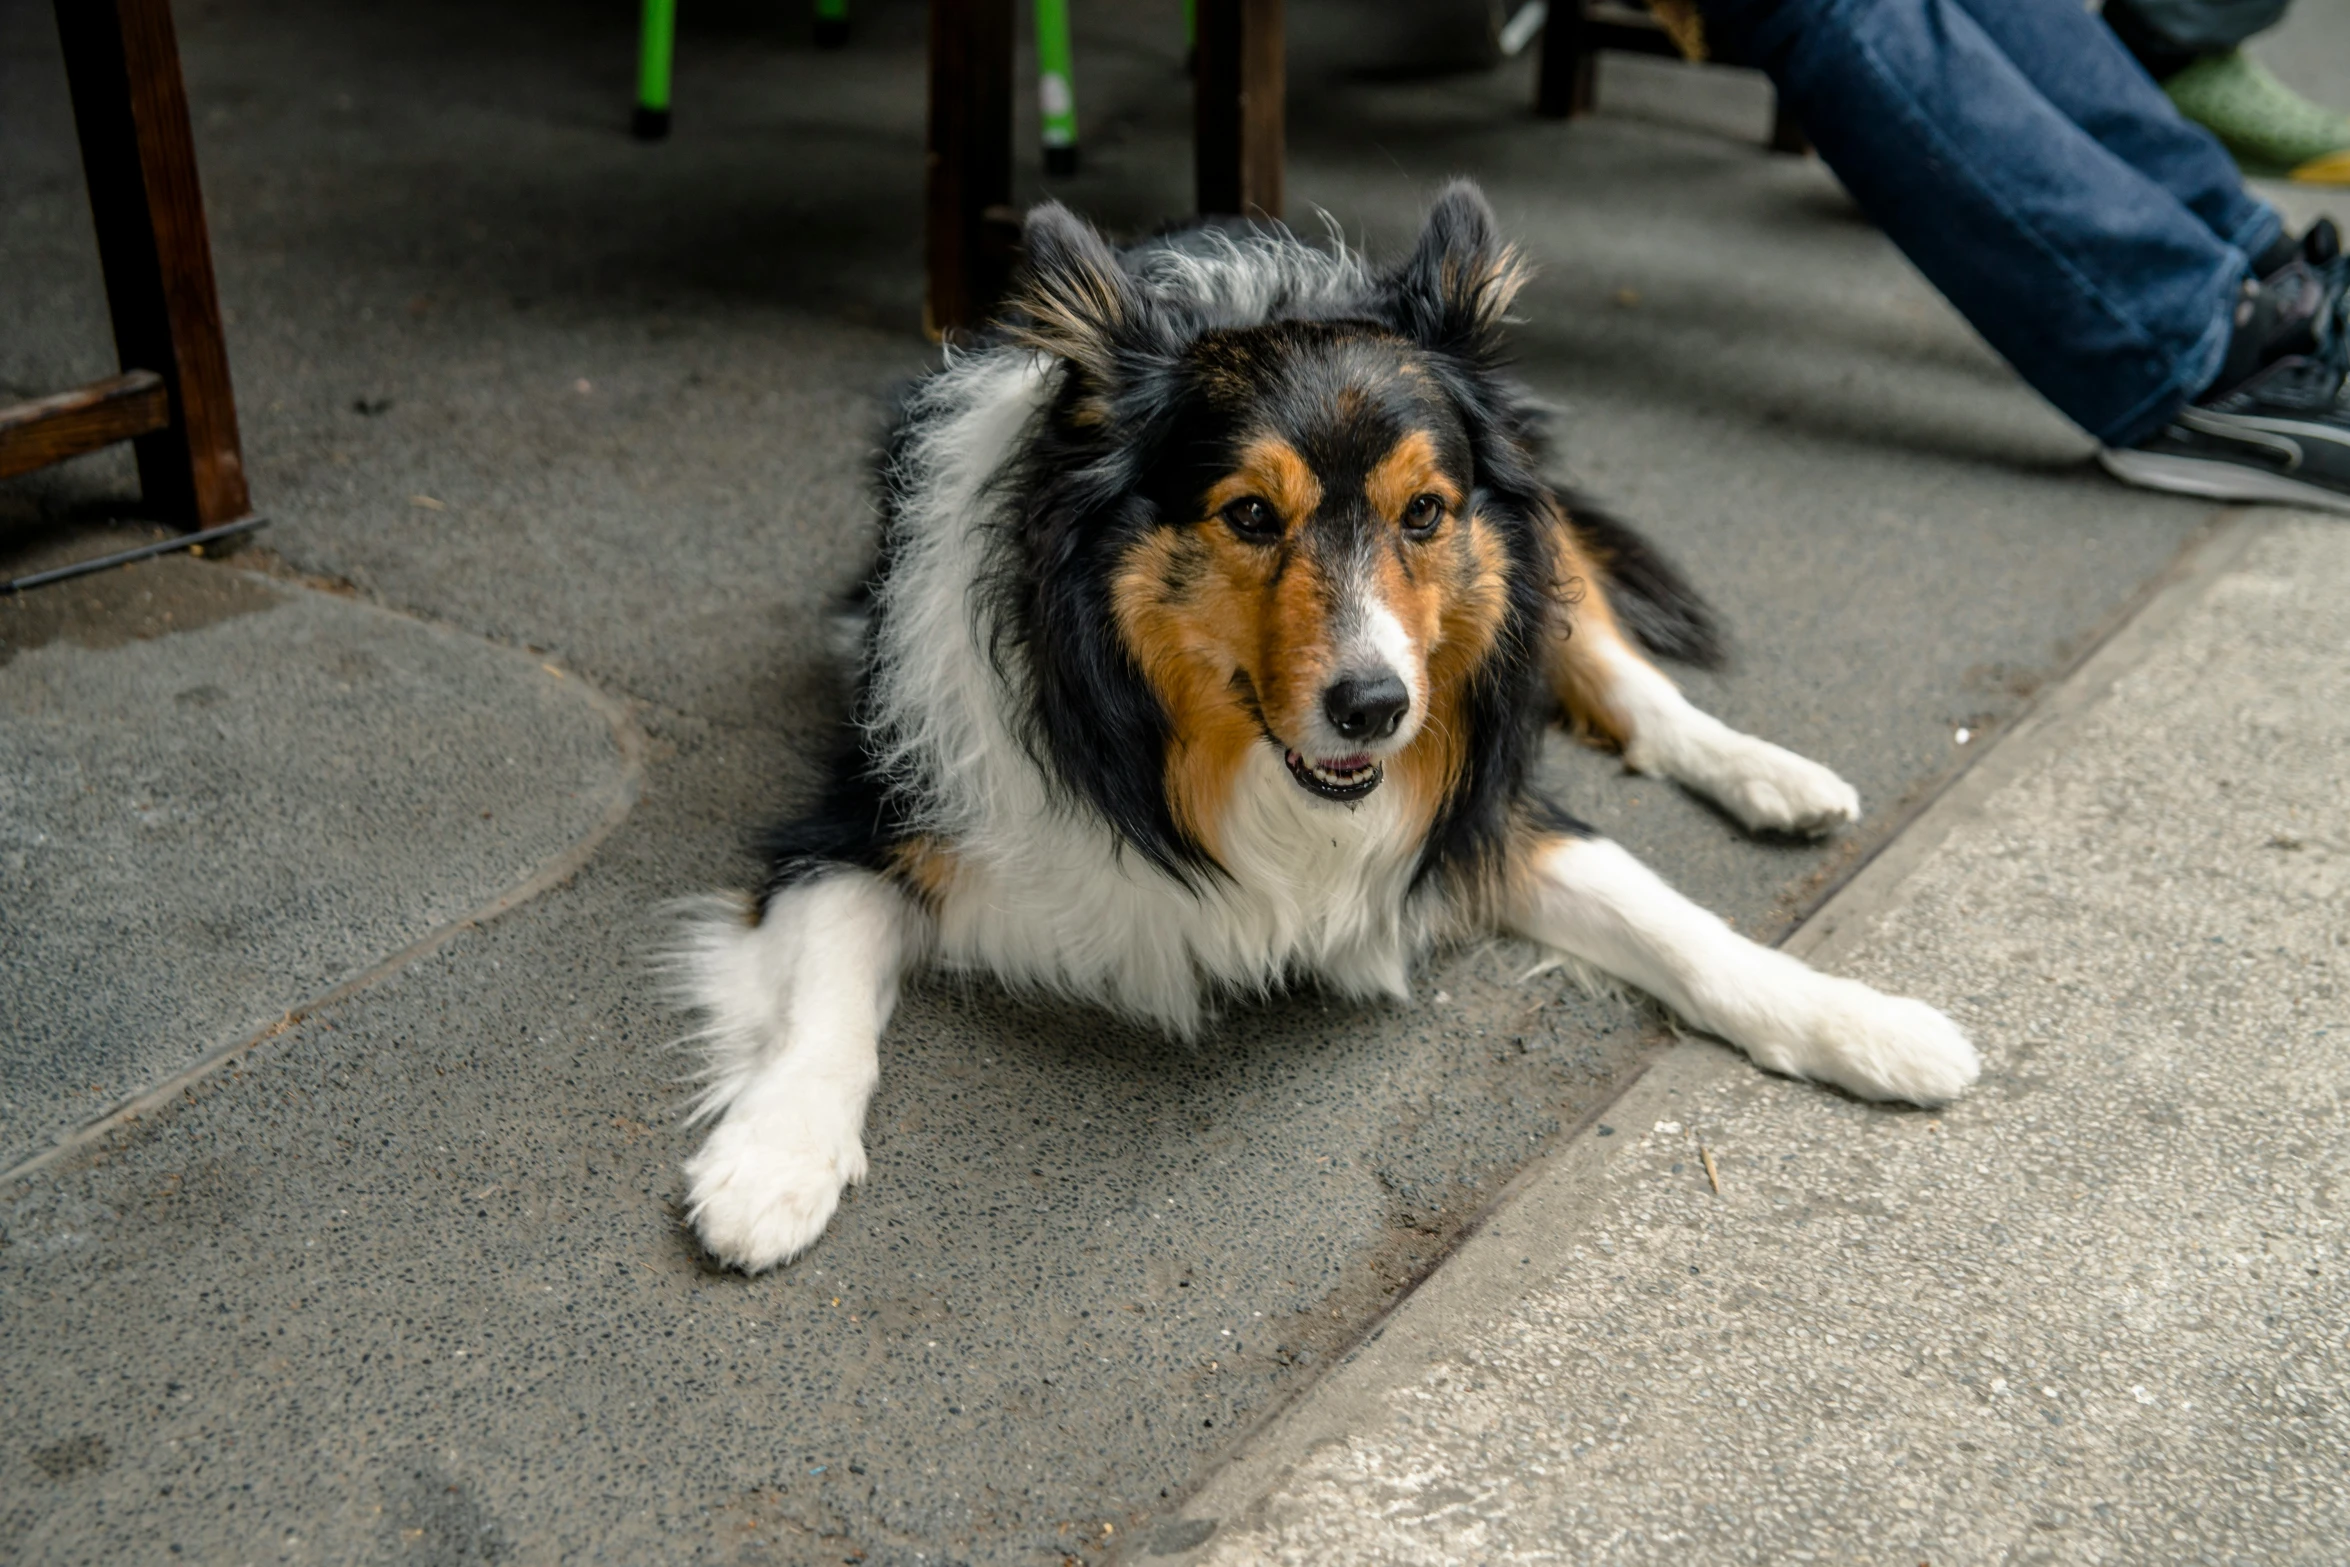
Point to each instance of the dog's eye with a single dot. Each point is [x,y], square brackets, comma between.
[1423,514]
[1253,520]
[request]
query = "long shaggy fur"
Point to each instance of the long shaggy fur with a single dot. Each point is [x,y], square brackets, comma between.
[1221,603]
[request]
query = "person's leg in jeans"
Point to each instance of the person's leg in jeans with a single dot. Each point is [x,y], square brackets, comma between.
[2169,35]
[2109,294]
[2080,67]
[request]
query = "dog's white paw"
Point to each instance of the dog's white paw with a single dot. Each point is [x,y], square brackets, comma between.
[1771,789]
[762,1188]
[1881,1047]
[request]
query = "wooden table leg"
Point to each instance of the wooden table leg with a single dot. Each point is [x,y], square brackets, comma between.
[1240,80]
[131,108]
[972,230]
[1568,82]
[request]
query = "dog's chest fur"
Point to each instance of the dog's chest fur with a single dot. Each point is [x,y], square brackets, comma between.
[1043,894]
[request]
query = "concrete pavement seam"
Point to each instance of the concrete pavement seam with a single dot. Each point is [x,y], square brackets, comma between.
[628,739]
[1540,1213]
[2173,594]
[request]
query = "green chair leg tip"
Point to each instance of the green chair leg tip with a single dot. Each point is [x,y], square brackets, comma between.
[649,124]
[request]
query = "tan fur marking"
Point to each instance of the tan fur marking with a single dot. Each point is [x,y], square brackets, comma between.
[1291,651]
[1492,287]
[1507,882]
[1466,588]
[1072,315]
[1406,473]
[1272,471]
[1185,642]
[1280,638]
[1583,634]
[1429,767]
[926,866]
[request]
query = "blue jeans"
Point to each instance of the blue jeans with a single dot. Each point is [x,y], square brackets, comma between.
[2192,27]
[2037,176]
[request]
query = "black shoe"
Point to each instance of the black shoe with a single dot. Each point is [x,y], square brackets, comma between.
[2278,427]
[2282,436]
[2319,243]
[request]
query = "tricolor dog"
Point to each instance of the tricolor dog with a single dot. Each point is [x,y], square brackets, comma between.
[1221,606]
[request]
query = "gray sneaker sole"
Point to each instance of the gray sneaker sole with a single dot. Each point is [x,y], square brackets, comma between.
[2217,480]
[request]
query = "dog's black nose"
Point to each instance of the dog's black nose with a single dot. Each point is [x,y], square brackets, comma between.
[1366,707]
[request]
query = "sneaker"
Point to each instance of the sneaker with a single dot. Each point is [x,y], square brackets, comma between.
[2278,427]
[2270,129]
[2318,245]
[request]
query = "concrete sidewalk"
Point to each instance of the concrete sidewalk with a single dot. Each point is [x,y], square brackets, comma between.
[404,1281]
[2093,1313]
[227,800]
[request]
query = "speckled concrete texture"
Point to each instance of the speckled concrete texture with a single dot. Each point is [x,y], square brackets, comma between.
[222,797]
[2091,1313]
[505,371]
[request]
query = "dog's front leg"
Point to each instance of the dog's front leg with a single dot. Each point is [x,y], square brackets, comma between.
[1588,898]
[1608,687]
[794,1009]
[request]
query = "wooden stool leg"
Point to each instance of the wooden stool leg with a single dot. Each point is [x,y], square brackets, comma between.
[1240,79]
[972,230]
[132,111]
[1568,82]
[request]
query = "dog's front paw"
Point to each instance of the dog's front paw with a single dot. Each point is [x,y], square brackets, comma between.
[1886,1047]
[763,1188]
[1771,789]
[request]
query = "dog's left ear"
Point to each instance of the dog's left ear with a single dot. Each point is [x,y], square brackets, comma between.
[1071,299]
[1455,290]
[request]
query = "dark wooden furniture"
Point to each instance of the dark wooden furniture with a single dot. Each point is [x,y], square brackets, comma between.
[973,231]
[1239,86]
[1575,34]
[172,400]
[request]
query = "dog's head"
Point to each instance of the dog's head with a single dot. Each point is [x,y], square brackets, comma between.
[1280,501]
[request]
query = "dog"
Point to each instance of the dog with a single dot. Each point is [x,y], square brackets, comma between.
[1220,608]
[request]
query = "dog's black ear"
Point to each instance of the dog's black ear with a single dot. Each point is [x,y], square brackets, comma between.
[1454,291]
[1071,299]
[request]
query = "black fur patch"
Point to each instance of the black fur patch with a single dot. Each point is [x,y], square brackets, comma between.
[858,816]
[1650,596]
[1093,723]
[857,819]
[1545,814]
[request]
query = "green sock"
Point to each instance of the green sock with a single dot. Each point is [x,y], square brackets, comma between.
[2270,128]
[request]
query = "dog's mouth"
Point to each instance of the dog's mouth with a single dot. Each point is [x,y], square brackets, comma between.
[1340,778]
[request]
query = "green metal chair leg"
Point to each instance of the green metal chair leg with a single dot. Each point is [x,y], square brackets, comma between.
[655,48]
[832,23]
[1056,92]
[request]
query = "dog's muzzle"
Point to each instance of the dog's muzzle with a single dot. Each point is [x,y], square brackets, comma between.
[1342,778]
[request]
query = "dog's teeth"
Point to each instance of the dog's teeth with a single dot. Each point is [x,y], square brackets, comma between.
[1341,780]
